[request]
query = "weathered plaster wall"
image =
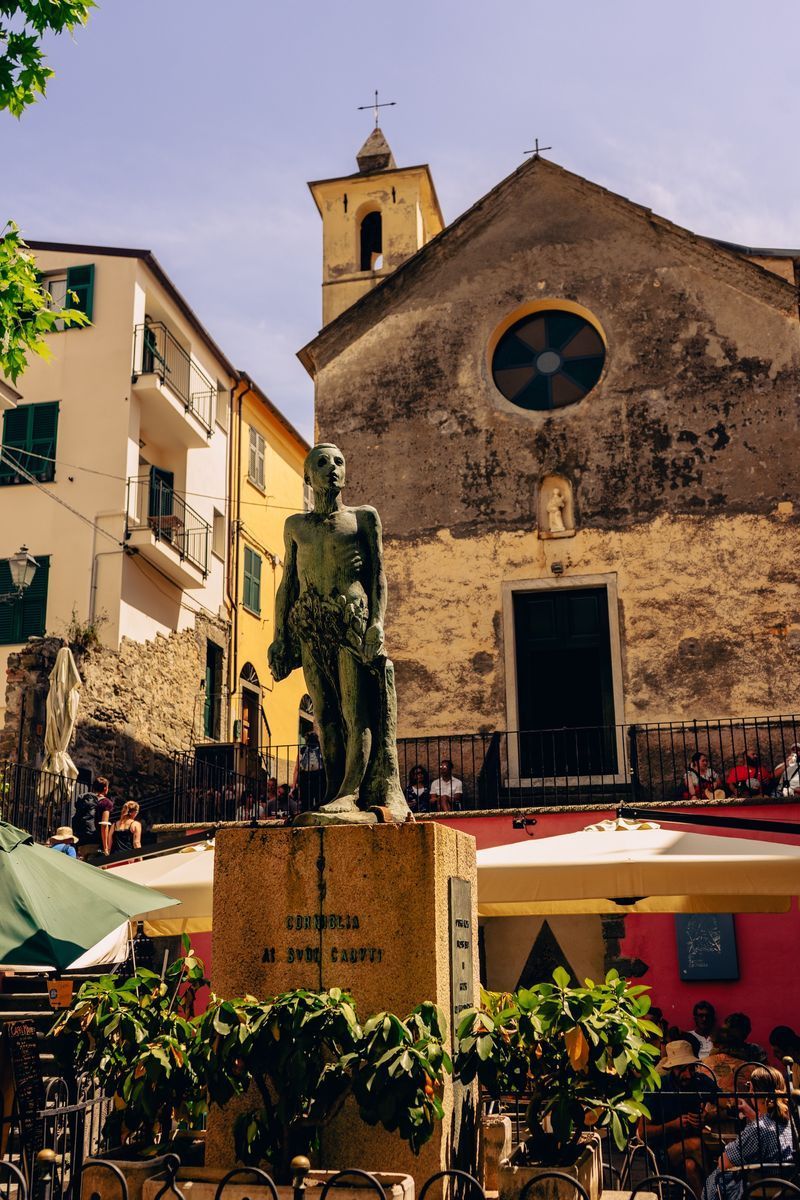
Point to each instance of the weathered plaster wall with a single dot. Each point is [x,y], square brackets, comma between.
[708,628]
[682,460]
[695,411]
[137,706]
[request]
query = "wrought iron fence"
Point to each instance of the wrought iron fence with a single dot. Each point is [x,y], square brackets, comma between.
[678,1151]
[591,767]
[36,800]
[156,351]
[69,1130]
[153,505]
[600,767]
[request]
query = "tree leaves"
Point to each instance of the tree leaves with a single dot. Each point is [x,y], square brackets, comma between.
[581,1054]
[25,313]
[23,24]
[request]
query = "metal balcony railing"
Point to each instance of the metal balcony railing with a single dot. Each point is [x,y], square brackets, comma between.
[153,504]
[156,352]
[590,767]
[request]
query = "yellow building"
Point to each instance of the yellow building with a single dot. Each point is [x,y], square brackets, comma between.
[266,484]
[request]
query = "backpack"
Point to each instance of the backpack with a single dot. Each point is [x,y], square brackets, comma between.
[84,824]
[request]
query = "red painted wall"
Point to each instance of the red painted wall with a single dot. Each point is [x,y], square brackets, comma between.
[768,988]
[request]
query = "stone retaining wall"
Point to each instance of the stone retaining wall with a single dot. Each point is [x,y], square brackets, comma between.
[138,705]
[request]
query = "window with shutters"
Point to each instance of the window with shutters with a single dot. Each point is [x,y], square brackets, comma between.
[255,465]
[29,443]
[26,617]
[251,597]
[73,288]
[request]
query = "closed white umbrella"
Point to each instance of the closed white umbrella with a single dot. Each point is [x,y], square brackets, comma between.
[621,866]
[63,700]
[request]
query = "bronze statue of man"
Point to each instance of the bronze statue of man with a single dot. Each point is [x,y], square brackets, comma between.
[329,614]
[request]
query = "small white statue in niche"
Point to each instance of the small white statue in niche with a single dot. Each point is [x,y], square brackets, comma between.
[555,509]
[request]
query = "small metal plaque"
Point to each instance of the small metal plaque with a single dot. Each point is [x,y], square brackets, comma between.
[462,941]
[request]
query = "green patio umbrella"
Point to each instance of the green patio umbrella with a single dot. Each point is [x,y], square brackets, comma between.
[53,908]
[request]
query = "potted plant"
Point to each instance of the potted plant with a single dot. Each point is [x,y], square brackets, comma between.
[137,1037]
[581,1057]
[303,1053]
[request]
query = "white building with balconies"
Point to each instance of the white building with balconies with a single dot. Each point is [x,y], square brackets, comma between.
[113,470]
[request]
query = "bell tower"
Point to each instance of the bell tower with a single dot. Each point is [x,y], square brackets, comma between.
[372,222]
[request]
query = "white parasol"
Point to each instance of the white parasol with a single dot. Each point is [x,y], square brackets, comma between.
[63,699]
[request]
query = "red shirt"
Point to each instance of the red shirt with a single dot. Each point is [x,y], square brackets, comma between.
[744,772]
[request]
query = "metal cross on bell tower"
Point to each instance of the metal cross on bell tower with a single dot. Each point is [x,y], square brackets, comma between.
[536,152]
[375,106]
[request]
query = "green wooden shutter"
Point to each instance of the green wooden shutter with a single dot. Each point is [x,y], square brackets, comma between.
[251,593]
[15,438]
[6,610]
[256,583]
[44,427]
[29,435]
[80,280]
[21,619]
[33,616]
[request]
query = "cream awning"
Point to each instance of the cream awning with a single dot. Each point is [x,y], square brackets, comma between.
[190,875]
[621,866]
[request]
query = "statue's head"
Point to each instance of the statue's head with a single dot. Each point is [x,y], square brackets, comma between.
[324,468]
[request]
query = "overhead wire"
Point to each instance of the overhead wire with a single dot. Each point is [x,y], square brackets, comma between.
[10,462]
[59,462]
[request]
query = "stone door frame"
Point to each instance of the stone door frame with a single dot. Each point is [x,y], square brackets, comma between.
[508,588]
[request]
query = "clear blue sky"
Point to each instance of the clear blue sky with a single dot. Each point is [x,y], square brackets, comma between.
[190,128]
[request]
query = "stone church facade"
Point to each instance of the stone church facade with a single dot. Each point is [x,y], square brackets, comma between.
[560,340]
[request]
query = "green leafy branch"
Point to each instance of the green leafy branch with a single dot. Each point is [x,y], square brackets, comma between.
[23,23]
[26,315]
[582,1055]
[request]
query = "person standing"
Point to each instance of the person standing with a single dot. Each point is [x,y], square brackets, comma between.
[91,820]
[309,774]
[127,831]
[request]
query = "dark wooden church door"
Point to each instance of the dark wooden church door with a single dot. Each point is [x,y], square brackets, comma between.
[564,683]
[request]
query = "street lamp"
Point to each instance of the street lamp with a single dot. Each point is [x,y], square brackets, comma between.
[22,566]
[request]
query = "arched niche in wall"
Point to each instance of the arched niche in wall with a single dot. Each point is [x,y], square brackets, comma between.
[555,511]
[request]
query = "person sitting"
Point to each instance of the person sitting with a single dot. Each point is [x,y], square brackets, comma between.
[446,791]
[705,1019]
[418,793]
[788,773]
[246,808]
[64,841]
[766,1138]
[738,1027]
[701,782]
[126,833]
[270,807]
[749,778]
[785,1043]
[674,1126]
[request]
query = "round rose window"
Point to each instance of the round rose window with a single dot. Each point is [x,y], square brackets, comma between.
[548,359]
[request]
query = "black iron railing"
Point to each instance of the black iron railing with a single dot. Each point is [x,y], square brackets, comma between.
[157,352]
[34,800]
[592,767]
[153,505]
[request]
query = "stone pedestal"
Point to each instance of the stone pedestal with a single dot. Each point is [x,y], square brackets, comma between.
[385,912]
